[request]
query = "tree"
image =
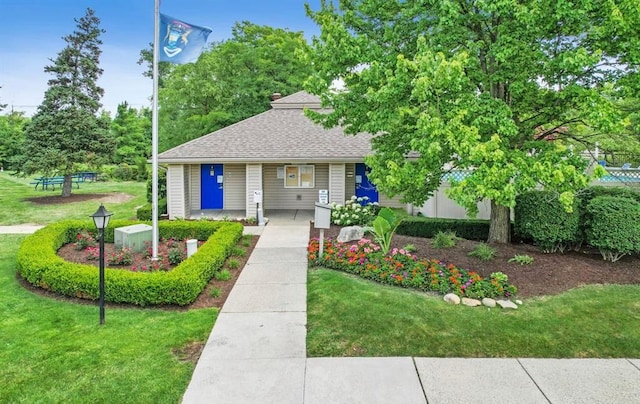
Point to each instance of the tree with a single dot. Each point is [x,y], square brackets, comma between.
[66,129]
[231,81]
[11,138]
[131,130]
[2,106]
[497,88]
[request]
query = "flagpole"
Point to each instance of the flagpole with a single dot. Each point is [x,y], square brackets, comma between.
[154,133]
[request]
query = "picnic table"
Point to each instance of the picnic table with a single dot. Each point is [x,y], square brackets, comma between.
[47,182]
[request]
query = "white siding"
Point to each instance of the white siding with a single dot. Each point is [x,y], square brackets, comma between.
[337,179]
[350,182]
[276,196]
[195,187]
[253,183]
[185,174]
[175,191]
[235,180]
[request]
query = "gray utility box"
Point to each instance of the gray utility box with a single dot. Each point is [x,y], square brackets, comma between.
[132,237]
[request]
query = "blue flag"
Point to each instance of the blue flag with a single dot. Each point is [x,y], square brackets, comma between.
[180,42]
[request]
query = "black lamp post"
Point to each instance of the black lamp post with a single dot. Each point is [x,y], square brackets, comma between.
[101,220]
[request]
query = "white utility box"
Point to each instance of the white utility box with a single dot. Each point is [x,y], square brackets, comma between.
[132,237]
[322,219]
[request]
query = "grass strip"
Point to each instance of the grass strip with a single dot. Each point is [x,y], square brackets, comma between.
[349,316]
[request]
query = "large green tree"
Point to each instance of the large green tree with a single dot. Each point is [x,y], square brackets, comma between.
[131,129]
[11,139]
[478,85]
[231,81]
[66,130]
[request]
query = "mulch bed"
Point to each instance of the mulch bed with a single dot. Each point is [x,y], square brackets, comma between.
[549,274]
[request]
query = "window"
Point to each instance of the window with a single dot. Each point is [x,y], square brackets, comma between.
[302,176]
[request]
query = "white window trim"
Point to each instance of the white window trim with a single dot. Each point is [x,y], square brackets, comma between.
[300,170]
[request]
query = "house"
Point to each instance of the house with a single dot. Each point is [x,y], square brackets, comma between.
[280,152]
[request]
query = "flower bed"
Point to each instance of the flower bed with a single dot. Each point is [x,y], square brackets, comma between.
[401,268]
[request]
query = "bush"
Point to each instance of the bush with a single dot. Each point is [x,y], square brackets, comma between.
[586,195]
[39,264]
[484,252]
[354,212]
[540,216]
[470,229]
[613,227]
[444,239]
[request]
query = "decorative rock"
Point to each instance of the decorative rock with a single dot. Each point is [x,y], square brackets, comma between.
[350,233]
[471,302]
[452,298]
[487,301]
[507,304]
[519,302]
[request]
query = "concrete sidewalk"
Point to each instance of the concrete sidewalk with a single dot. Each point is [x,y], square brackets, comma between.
[20,229]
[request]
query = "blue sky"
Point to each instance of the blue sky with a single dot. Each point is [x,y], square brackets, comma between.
[32,32]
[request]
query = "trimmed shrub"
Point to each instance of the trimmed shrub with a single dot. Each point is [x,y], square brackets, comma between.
[470,229]
[613,226]
[39,264]
[539,216]
[586,195]
[144,213]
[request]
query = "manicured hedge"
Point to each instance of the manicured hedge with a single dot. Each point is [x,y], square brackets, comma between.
[540,216]
[39,264]
[614,226]
[470,229]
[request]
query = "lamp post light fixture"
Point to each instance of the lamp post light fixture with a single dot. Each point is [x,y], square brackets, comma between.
[101,220]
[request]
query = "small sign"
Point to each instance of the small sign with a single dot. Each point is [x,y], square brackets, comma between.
[257,196]
[323,196]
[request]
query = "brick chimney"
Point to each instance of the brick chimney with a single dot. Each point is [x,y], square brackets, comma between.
[276,96]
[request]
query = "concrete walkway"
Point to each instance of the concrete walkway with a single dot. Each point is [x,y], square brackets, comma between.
[256,352]
[20,229]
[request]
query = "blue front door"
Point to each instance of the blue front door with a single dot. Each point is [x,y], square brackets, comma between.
[363,186]
[212,186]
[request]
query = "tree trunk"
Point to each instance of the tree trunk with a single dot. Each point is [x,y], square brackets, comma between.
[66,186]
[500,224]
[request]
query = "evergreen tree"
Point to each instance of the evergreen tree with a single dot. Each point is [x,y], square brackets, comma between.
[66,130]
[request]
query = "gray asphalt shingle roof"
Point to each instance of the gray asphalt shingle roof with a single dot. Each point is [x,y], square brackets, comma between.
[283,133]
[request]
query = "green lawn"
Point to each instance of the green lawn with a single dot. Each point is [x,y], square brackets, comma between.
[55,351]
[348,316]
[15,210]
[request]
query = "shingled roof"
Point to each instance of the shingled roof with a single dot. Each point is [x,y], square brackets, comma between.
[282,134]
